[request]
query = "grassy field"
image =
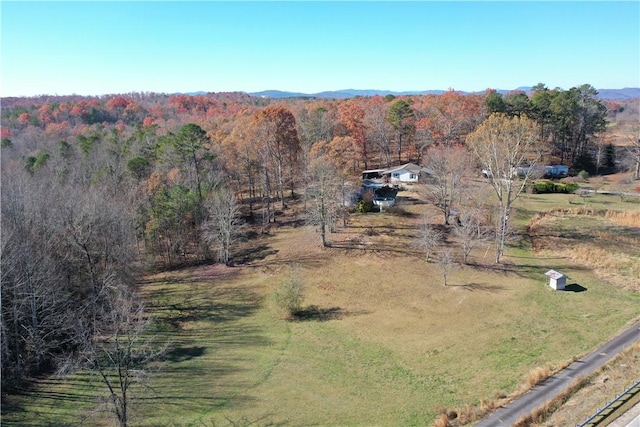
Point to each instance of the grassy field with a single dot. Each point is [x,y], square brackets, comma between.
[383,342]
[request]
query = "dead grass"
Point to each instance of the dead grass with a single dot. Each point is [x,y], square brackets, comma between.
[539,415]
[603,239]
[538,375]
[471,413]
[586,395]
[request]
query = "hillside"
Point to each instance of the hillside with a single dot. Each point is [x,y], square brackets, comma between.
[609,94]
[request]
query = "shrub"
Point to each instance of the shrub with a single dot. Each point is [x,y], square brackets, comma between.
[364,206]
[571,187]
[544,187]
[287,298]
[583,174]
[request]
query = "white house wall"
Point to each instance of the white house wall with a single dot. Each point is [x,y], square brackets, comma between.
[404,176]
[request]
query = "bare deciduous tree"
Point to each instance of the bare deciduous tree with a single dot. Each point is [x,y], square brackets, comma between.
[379,130]
[450,166]
[506,147]
[120,352]
[633,149]
[470,231]
[225,224]
[323,195]
[428,238]
[64,243]
[446,261]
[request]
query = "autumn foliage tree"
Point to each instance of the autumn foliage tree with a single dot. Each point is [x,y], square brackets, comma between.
[448,118]
[281,147]
[352,117]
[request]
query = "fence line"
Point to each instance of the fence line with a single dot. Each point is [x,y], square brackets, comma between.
[619,398]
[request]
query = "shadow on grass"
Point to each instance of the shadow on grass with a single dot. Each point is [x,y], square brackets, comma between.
[200,321]
[484,287]
[315,313]
[537,257]
[574,287]
[318,314]
[180,354]
[373,228]
[527,271]
[253,253]
[408,200]
[398,248]
[51,393]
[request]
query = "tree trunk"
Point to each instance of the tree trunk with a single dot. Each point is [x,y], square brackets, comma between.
[501,236]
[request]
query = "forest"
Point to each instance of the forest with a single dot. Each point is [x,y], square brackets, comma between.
[98,190]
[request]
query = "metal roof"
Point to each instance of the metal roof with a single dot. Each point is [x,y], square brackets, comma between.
[555,274]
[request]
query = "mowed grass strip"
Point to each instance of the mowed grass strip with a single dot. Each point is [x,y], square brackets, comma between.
[385,343]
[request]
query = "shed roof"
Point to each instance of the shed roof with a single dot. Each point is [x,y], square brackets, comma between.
[555,274]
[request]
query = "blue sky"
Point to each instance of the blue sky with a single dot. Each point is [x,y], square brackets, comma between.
[93,48]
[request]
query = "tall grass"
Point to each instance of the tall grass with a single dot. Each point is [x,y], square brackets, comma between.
[539,415]
[613,246]
[537,376]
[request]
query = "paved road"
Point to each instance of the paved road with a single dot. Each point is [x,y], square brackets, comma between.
[630,419]
[549,389]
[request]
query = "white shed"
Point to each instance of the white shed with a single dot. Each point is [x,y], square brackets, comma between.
[557,280]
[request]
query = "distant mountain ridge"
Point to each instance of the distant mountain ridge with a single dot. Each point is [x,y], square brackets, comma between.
[610,94]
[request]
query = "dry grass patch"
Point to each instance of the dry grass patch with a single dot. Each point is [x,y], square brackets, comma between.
[605,240]
[539,415]
[470,413]
[538,375]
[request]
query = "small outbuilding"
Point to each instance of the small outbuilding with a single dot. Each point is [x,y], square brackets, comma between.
[557,280]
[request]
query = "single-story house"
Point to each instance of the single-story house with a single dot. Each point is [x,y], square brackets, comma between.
[557,280]
[407,173]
